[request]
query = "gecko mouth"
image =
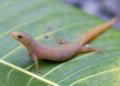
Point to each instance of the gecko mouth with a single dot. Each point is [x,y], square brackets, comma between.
[13,34]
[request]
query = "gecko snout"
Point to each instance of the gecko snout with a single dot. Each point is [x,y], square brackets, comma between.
[13,34]
[10,33]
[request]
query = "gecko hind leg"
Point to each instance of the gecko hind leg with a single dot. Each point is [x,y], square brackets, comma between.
[89,49]
[62,41]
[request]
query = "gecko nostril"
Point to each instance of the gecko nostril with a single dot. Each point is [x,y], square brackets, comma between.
[10,33]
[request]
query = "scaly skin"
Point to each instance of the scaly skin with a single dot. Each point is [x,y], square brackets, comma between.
[62,52]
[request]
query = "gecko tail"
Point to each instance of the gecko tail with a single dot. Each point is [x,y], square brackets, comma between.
[92,33]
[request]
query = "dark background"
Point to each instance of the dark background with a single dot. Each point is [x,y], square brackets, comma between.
[104,9]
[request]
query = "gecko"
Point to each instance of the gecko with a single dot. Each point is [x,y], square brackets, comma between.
[64,51]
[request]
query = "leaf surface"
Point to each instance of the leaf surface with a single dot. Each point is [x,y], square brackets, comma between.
[47,20]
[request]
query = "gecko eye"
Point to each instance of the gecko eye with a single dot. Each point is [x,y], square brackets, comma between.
[19,36]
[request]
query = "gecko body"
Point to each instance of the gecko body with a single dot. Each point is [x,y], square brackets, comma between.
[64,51]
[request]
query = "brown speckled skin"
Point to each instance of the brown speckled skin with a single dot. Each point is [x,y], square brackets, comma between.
[62,52]
[66,51]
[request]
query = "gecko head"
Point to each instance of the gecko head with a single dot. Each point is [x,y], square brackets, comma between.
[22,37]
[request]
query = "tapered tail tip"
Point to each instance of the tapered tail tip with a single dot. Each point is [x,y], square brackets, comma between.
[115,18]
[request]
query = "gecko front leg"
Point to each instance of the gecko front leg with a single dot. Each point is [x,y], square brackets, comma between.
[35,63]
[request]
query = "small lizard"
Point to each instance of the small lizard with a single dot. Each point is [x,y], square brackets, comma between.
[63,52]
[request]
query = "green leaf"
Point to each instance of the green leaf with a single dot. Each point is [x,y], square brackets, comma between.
[47,20]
